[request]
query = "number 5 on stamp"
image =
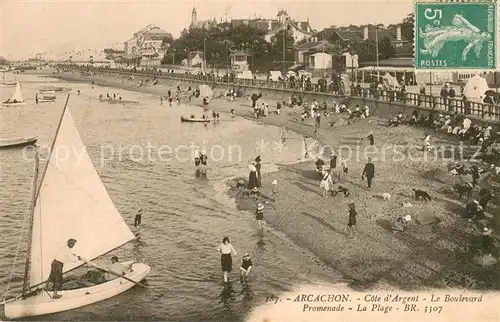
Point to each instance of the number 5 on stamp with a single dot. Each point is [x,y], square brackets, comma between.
[456,35]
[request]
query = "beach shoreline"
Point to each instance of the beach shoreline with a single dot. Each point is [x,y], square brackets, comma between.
[376,255]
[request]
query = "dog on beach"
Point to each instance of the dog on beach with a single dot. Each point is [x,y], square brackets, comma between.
[463,189]
[421,195]
[344,190]
[386,196]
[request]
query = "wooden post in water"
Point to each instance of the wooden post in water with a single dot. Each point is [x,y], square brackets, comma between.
[30,220]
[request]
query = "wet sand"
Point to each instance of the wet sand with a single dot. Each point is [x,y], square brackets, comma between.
[436,251]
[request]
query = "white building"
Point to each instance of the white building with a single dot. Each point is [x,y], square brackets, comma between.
[320,61]
[298,30]
[147,43]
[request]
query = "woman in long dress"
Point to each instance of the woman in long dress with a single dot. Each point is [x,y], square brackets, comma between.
[252,177]
[226,261]
[326,182]
[258,166]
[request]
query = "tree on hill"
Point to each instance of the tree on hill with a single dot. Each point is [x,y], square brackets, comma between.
[278,46]
[407,26]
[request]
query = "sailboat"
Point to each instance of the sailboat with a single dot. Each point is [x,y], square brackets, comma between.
[4,83]
[71,202]
[17,98]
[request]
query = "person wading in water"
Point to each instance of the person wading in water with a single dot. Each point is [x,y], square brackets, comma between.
[226,261]
[197,161]
[63,255]
[138,219]
[203,161]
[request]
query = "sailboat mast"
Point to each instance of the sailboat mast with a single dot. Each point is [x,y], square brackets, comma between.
[31,215]
[36,191]
[52,145]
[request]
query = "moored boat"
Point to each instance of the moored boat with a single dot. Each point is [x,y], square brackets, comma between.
[194,120]
[47,91]
[17,142]
[71,197]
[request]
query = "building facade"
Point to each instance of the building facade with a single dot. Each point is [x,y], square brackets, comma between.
[298,29]
[148,45]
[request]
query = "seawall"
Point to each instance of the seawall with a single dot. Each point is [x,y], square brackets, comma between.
[380,108]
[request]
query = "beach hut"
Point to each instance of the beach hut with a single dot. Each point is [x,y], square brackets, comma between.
[206,91]
[390,81]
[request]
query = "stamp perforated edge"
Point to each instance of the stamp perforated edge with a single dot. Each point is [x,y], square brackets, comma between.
[459,70]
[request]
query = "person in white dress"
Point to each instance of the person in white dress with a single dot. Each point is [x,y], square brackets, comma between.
[326,182]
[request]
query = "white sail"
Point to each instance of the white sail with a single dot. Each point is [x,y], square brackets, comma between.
[18,94]
[73,203]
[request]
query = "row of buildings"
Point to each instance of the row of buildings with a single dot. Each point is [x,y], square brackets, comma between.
[148,43]
[313,50]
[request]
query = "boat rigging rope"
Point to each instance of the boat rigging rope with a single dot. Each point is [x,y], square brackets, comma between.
[23,226]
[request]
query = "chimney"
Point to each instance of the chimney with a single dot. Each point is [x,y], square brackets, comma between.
[398,33]
[365,33]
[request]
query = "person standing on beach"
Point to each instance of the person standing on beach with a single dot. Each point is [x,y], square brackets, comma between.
[252,176]
[369,172]
[352,220]
[345,167]
[161,100]
[257,167]
[226,261]
[275,189]
[371,138]
[259,216]
[333,161]
[318,122]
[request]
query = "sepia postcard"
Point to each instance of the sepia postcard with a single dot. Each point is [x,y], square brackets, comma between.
[250,160]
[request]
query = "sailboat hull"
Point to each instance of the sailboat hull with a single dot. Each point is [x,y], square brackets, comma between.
[42,304]
[13,104]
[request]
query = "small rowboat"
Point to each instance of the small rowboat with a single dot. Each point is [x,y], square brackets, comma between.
[45,100]
[193,120]
[47,91]
[17,142]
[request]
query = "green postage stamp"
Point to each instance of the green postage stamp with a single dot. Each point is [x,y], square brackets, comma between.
[456,35]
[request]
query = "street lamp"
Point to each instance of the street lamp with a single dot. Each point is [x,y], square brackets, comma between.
[352,64]
[204,54]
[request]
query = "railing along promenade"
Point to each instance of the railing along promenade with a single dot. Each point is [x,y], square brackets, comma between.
[487,112]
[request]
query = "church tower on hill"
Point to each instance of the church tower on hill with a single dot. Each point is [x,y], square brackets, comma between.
[194,18]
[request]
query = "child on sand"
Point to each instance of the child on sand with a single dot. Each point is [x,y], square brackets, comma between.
[352,220]
[275,189]
[345,168]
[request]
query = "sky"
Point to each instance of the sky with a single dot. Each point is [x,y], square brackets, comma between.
[37,26]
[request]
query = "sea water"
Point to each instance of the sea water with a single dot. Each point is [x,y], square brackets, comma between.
[185,217]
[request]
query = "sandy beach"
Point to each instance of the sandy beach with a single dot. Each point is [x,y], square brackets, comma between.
[434,252]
